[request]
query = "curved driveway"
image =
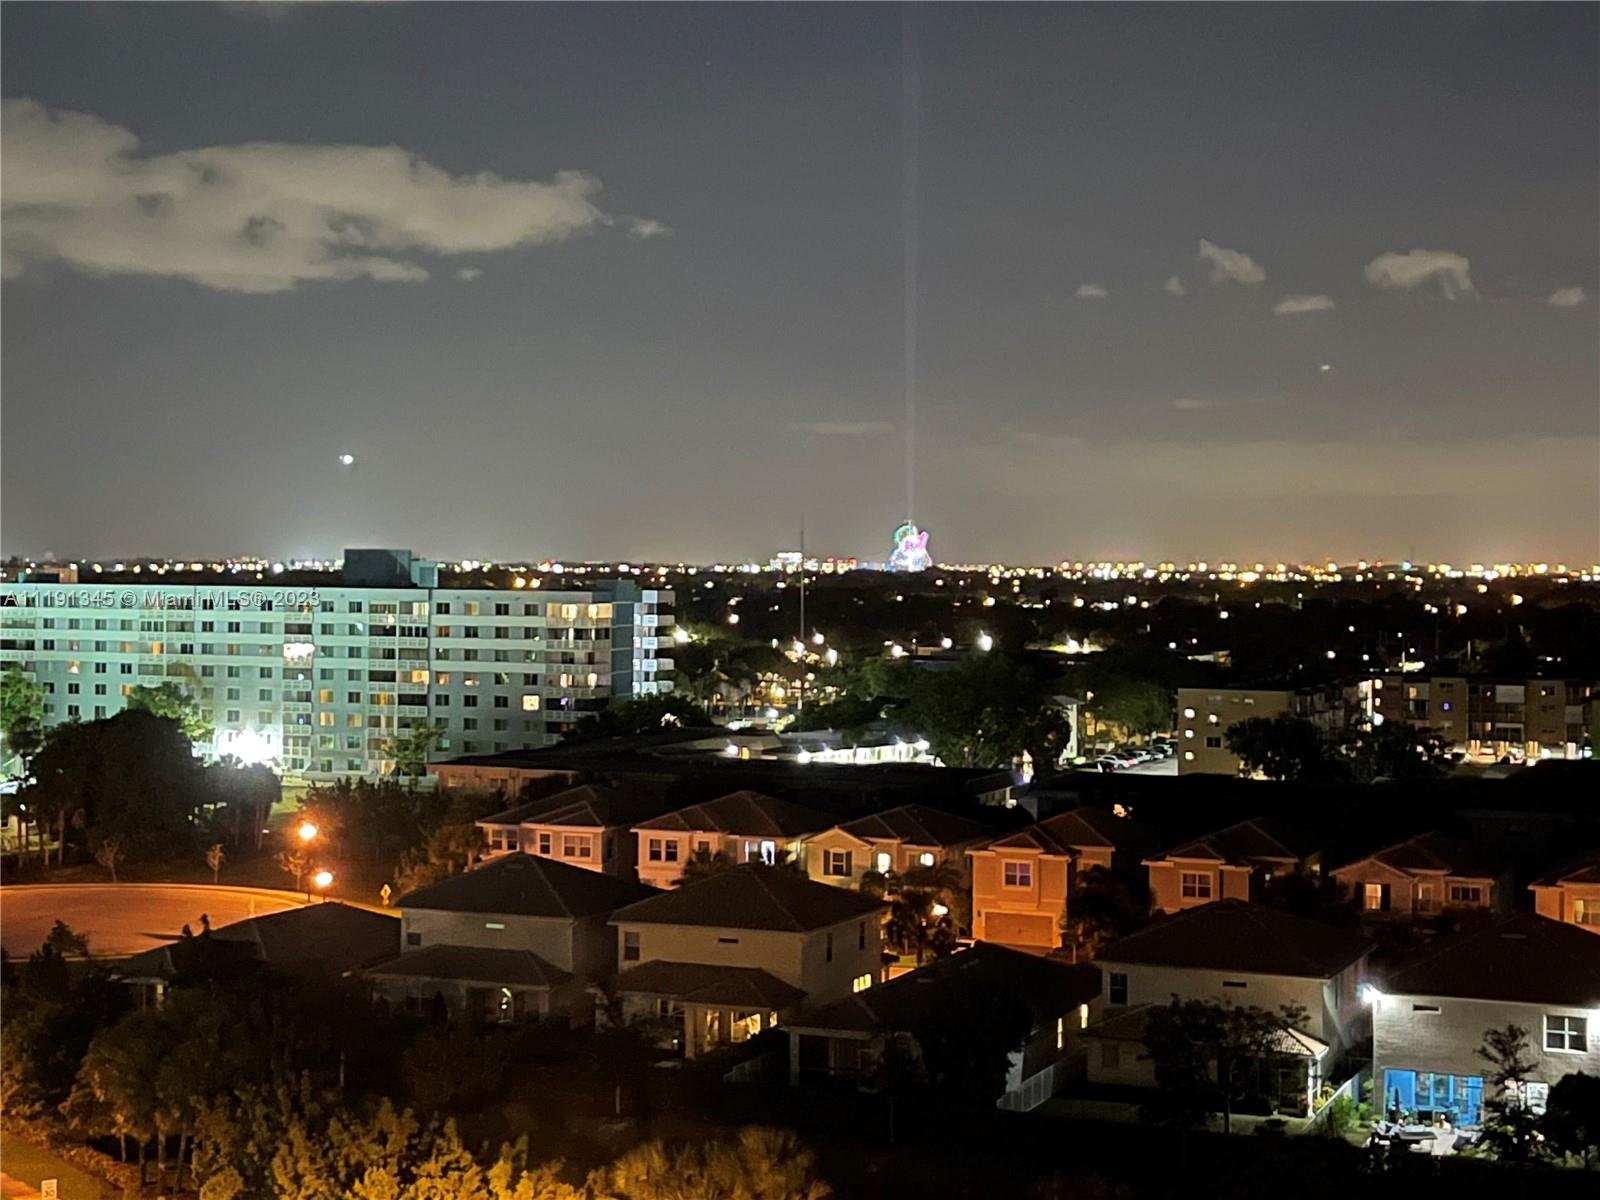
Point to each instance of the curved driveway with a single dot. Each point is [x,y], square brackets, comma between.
[124,918]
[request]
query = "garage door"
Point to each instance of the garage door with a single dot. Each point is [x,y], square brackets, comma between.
[1020,929]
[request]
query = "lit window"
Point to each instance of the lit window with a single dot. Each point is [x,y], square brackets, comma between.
[861,983]
[1083,1016]
[1372,897]
[530,704]
[1461,893]
[1061,1033]
[1188,756]
[1566,1033]
[926,858]
[1188,733]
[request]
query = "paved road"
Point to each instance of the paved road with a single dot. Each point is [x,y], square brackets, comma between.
[125,918]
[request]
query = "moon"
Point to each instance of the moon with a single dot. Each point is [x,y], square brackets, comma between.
[346,459]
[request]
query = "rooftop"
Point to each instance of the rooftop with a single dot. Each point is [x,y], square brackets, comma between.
[1068,832]
[1581,870]
[916,825]
[771,898]
[1235,935]
[587,806]
[525,885]
[1048,986]
[701,983]
[1263,839]
[473,964]
[1525,959]
[743,814]
[326,939]
[1431,853]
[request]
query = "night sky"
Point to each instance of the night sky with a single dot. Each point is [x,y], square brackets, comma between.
[601,281]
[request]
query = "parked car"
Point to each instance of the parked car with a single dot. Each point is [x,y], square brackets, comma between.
[1109,762]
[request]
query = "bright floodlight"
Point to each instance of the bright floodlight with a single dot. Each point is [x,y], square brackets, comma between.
[985,642]
[307,831]
[322,879]
[249,746]
[346,459]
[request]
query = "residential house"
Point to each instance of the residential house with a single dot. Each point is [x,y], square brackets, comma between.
[1230,952]
[745,826]
[1230,864]
[317,942]
[519,936]
[586,826]
[1570,893]
[723,958]
[1423,876]
[1020,882]
[896,841]
[1430,1013]
[846,1038]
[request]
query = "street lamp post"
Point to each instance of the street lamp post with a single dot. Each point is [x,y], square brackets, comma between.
[323,880]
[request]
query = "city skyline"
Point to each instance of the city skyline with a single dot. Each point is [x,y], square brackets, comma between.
[1185,286]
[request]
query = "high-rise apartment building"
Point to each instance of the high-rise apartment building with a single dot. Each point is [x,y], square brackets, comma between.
[316,672]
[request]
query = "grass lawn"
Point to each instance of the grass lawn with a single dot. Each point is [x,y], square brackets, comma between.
[25,1161]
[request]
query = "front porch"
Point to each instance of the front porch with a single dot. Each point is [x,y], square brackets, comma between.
[697,1008]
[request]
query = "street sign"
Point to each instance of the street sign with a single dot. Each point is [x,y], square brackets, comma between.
[47,1190]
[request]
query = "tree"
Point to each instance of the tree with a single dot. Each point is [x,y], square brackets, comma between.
[449,850]
[409,750]
[1136,706]
[988,712]
[703,864]
[759,1164]
[108,854]
[214,857]
[177,703]
[1282,747]
[294,862]
[453,1067]
[966,1041]
[1394,750]
[1102,909]
[1571,1123]
[643,715]
[116,1082]
[244,796]
[21,712]
[1510,1128]
[132,777]
[1207,1055]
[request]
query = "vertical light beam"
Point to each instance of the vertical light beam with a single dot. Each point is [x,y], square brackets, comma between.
[910,117]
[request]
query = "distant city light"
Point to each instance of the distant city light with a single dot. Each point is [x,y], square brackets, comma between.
[985,642]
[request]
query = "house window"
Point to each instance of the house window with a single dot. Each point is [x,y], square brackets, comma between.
[1234,983]
[655,850]
[1195,885]
[1465,893]
[861,936]
[1372,897]
[1426,902]
[1083,1016]
[828,949]
[630,947]
[836,862]
[1061,1033]
[861,983]
[544,842]
[574,846]
[882,862]
[1118,988]
[925,858]
[1566,1033]
[1018,874]
[1586,912]
[1110,1055]
[413,939]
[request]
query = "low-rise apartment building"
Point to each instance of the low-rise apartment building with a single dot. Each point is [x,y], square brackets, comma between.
[1491,718]
[1206,714]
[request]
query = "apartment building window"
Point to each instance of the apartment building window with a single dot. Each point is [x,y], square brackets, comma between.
[1570,1034]
[502,701]
[1117,992]
[1195,885]
[836,862]
[1213,743]
[630,947]
[530,704]
[1465,893]
[1018,874]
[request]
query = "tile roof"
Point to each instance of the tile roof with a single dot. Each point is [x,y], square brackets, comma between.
[473,964]
[1235,935]
[1263,839]
[525,885]
[1048,986]
[587,806]
[916,825]
[1068,832]
[701,983]
[752,898]
[326,939]
[1431,852]
[1128,1025]
[1582,870]
[743,814]
[1527,959]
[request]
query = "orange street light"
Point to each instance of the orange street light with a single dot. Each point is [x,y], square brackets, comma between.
[324,880]
[307,831]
